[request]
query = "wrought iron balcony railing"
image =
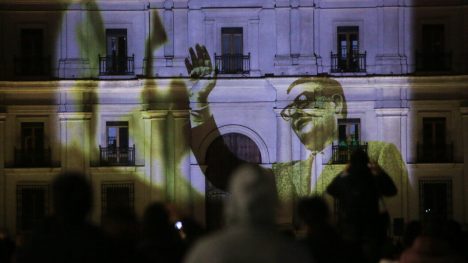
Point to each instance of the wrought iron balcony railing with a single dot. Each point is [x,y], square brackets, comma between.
[342,153]
[433,61]
[116,65]
[352,62]
[30,66]
[232,63]
[434,153]
[32,158]
[116,156]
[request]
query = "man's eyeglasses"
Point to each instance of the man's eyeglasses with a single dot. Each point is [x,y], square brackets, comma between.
[303,104]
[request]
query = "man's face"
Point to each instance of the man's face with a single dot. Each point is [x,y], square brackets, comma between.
[312,114]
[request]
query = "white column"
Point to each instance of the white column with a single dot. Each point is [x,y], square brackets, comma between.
[392,128]
[282,31]
[464,112]
[169,158]
[388,59]
[74,137]
[2,174]
[155,122]
[183,182]
[283,139]
[307,31]
[253,47]
[195,27]
[180,30]
[169,26]
[211,39]
[284,155]
[295,31]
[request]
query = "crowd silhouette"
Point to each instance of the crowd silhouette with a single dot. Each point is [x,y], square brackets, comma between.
[357,234]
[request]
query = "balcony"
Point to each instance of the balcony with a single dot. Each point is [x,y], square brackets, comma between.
[341,153]
[116,65]
[32,66]
[353,62]
[116,156]
[434,153]
[26,158]
[434,61]
[232,64]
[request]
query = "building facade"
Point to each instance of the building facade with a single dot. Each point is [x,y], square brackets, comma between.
[102,87]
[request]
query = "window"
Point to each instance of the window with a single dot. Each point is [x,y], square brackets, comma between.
[116,42]
[232,59]
[232,41]
[32,152]
[434,147]
[32,136]
[117,134]
[434,131]
[348,42]
[31,61]
[32,42]
[348,57]
[435,199]
[433,38]
[32,204]
[349,132]
[116,61]
[434,55]
[117,197]
[118,151]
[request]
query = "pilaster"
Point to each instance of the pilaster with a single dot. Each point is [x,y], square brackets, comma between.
[2,173]
[154,130]
[392,128]
[183,192]
[74,137]
[283,139]
[464,112]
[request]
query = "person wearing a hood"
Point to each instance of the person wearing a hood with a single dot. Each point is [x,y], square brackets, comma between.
[250,234]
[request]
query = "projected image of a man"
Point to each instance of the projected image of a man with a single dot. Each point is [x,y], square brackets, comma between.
[314,111]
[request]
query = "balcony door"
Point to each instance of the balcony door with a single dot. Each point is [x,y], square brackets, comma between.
[117,142]
[32,47]
[32,150]
[32,136]
[116,51]
[348,48]
[349,132]
[433,37]
[434,144]
[232,49]
[433,45]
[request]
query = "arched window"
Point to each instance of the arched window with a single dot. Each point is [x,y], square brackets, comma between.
[224,154]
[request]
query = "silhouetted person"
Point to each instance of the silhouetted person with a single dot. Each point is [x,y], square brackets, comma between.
[121,227]
[358,190]
[67,236]
[439,241]
[453,234]
[429,249]
[161,242]
[250,234]
[7,246]
[324,243]
[192,230]
[412,230]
